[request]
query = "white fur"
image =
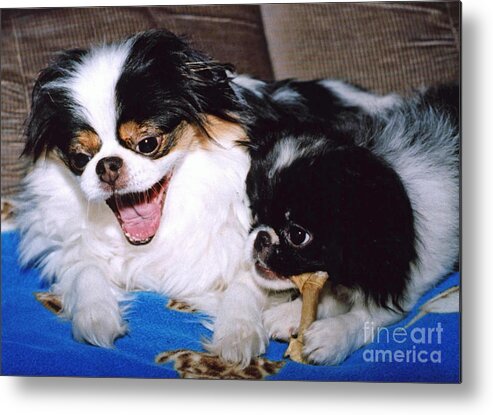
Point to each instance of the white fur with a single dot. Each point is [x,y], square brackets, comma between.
[286,95]
[254,85]
[290,149]
[74,238]
[285,152]
[282,321]
[239,334]
[352,96]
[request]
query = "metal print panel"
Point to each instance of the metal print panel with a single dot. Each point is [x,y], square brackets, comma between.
[261,192]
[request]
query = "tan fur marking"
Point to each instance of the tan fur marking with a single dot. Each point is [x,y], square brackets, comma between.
[90,141]
[131,132]
[184,136]
[225,132]
[222,133]
[86,142]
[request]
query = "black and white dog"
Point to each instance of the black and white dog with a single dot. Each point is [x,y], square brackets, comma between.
[138,181]
[367,192]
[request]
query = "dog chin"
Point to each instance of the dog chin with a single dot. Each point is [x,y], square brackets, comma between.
[268,279]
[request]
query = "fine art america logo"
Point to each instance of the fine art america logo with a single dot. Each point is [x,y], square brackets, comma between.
[419,344]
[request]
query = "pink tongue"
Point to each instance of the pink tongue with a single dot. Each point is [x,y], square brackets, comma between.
[141,220]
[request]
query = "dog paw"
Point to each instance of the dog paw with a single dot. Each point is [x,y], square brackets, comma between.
[328,342]
[99,325]
[238,342]
[283,320]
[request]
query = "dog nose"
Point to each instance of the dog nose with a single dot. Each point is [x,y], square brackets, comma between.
[263,240]
[108,169]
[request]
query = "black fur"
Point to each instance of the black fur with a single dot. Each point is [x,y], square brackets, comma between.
[316,101]
[315,104]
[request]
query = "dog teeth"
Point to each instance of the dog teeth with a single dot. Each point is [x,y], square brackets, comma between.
[139,241]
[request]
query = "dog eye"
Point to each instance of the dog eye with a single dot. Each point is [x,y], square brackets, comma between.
[297,236]
[79,160]
[147,145]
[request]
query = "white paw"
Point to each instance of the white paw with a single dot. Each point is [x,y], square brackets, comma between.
[238,341]
[328,341]
[283,320]
[98,324]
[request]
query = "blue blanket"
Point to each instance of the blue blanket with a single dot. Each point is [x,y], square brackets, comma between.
[36,342]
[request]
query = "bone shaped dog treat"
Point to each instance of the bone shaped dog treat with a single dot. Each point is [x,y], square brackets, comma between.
[310,284]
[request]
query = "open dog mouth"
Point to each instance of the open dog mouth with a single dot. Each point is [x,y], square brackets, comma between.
[139,214]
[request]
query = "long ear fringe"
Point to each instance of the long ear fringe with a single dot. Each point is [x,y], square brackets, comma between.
[36,126]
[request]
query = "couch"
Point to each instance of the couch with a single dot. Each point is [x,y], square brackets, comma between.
[383,46]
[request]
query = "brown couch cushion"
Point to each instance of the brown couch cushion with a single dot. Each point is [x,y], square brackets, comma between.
[383,46]
[30,37]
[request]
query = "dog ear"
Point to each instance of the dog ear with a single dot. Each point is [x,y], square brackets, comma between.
[160,52]
[205,70]
[209,84]
[170,71]
[47,123]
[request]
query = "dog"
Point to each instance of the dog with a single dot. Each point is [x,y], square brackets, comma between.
[369,196]
[137,183]
[239,333]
